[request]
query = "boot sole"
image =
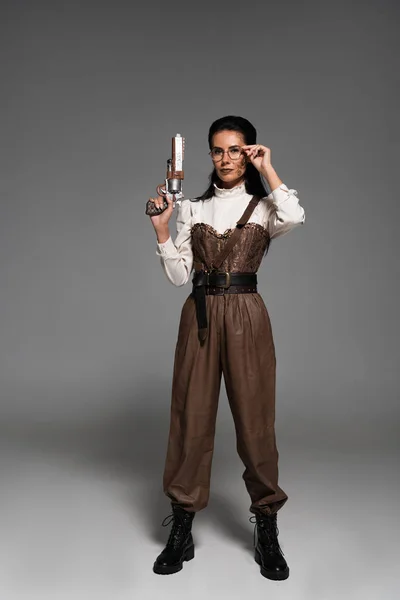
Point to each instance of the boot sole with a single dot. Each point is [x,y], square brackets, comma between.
[275,576]
[169,570]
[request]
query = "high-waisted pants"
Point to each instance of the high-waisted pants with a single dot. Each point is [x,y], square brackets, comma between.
[240,346]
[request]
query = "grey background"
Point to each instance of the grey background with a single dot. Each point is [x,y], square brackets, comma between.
[91,94]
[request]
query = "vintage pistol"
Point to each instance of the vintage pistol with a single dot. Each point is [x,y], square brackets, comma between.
[174,178]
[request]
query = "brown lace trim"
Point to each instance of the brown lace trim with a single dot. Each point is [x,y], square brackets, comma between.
[227,232]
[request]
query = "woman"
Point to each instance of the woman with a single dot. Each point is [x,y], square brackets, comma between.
[232,336]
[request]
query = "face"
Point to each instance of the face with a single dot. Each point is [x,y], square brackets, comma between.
[230,170]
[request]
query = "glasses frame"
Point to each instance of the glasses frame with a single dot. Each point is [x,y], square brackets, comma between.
[225,152]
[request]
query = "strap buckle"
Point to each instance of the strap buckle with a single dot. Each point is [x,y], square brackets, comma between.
[228,280]
[227,283]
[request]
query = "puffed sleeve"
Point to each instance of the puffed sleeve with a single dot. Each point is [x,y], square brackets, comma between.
[177,257]
[283,211]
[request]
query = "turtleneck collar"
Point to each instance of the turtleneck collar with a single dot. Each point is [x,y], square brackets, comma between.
[230,193]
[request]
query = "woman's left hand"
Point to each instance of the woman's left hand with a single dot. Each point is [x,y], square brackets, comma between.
[259,156]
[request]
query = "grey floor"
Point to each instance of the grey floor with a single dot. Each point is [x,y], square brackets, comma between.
[82,506]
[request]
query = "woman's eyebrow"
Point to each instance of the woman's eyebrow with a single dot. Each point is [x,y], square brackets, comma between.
[234,146]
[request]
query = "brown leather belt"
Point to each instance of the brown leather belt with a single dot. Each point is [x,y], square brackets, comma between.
[218,283]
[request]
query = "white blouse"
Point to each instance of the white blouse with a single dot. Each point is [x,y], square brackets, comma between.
[279,212]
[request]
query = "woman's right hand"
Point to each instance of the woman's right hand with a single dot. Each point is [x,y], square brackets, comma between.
[161,221]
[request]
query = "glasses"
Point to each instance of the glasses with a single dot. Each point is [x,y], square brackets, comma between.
[217,154]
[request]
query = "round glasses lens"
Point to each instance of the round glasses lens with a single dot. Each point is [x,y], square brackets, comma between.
[234,153]
[216,154]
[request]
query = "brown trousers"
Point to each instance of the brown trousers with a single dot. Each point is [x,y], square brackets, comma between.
[240,346]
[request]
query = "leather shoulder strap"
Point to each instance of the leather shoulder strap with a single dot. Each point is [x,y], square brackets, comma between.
[233,238]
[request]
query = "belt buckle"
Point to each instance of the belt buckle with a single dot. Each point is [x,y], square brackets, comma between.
[228,280]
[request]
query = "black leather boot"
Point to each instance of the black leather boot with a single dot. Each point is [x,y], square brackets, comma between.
[267,552]
[180,546]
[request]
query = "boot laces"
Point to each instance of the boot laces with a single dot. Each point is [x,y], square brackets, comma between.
[178,531]
[267,529]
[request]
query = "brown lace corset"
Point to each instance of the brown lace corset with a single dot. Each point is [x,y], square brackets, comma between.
[246,255]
